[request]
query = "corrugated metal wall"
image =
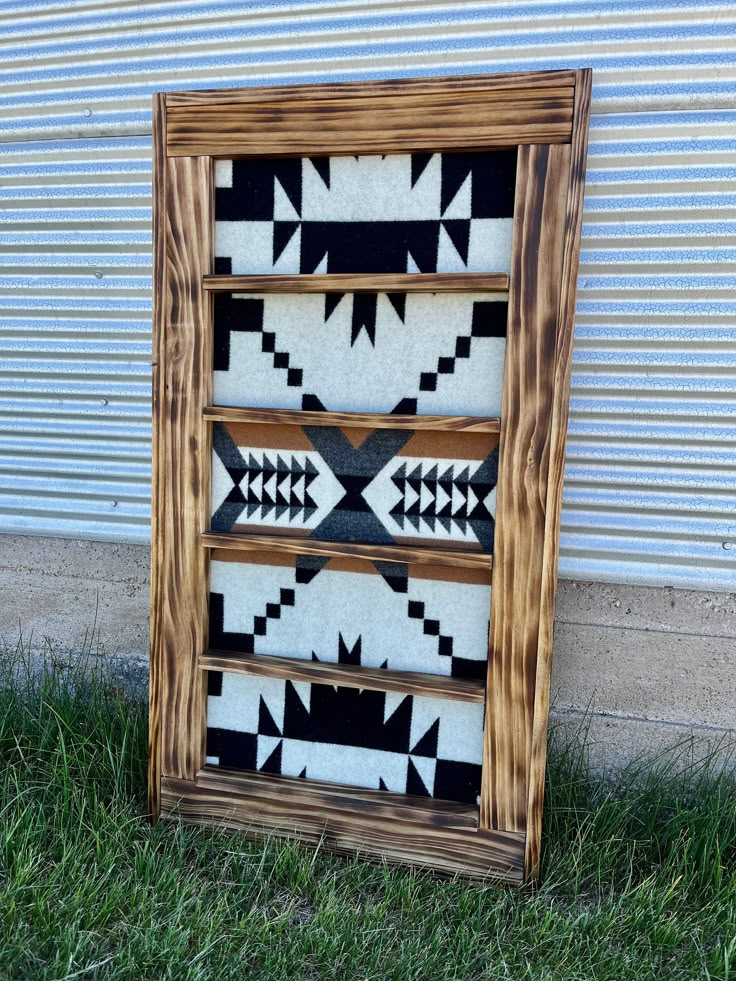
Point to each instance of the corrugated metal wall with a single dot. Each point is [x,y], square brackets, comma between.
[651,476]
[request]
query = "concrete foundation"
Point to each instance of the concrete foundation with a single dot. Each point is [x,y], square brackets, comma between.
[642,669]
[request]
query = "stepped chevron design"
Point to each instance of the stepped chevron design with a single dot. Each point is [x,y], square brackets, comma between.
[432,620]
[396,352]
[269,484]
[375,486]
[453,497]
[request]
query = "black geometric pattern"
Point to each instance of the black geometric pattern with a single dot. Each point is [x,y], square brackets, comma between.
[365,493]
[272,485]
[489,320]
[244,314]
[364,312]
[247,316]
[431,627]
[331,215]
[287,597]
[244,643]
[449,496]
[399,743]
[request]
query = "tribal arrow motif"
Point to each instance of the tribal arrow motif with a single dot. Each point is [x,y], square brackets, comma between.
[375,486]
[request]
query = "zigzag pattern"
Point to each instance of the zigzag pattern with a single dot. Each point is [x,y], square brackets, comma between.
[430,495]
[274,484]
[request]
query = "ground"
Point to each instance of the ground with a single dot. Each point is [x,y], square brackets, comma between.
[638,874]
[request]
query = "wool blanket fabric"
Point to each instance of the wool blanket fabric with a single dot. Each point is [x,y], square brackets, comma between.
[407,353]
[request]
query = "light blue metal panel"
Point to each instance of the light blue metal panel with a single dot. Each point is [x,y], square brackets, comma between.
[650,490]
[72,70]
[75,338]
[649,493]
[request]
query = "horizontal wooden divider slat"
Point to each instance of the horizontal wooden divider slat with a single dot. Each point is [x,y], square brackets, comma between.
[360,420]
[378,553]
[493,282]
[385,804]
[377,825]
[346,675]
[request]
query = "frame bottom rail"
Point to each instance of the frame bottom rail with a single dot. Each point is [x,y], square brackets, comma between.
[248,808]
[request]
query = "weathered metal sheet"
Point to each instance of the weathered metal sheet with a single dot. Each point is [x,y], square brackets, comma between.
[71,69]
[651,475]
[75,367]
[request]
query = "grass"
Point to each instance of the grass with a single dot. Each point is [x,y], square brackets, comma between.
[639,876]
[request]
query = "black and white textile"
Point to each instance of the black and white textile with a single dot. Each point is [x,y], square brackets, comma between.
[422,212]
[407,353]
[351,611]
[408,744]
[429,353]
[381,486]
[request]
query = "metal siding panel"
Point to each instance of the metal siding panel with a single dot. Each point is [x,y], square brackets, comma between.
[649,495]
[650,477]
[75,336]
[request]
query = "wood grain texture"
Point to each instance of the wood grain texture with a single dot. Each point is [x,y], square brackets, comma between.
[182,585]
[392,87]
[541,189]
[324,823]
[547,114]
[374,553]
[383,805]
[158,484]
[240,131]
[346,675]
[360,283]
[557,439]
[360,420]
[470,113]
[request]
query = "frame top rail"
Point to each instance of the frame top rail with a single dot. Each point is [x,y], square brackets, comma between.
[395,116]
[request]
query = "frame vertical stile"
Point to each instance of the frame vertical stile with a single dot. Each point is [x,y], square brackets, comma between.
[558,427]
[184,457]
[158,485]
[536,266]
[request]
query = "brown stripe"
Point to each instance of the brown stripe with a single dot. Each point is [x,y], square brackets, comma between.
[422,443]
[267,436]
[470,577]
[450,446]
[355,436]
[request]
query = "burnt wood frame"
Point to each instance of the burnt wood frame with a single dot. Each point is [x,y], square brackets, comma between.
[546,115]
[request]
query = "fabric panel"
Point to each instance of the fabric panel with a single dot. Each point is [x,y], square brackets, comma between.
[404,743]
[416,353]
[424,212]
[384,486]
[372,614]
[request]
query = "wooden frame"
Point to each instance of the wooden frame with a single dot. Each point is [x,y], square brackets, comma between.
[546,115]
